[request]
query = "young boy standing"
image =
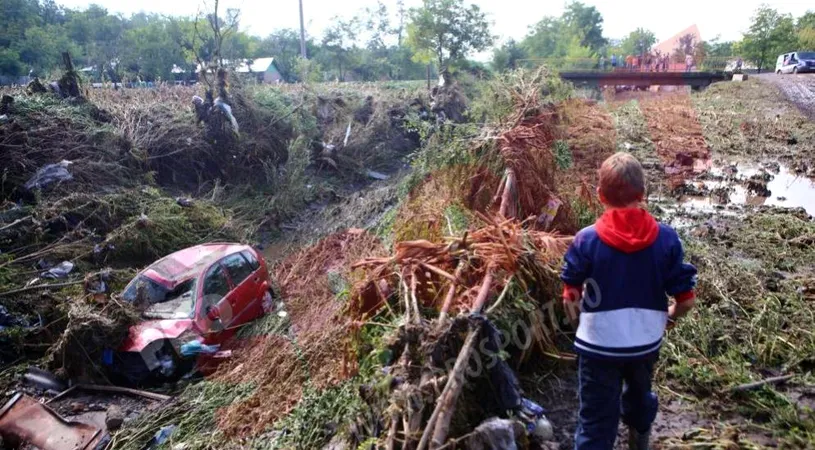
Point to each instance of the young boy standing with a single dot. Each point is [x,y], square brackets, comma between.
[620,272]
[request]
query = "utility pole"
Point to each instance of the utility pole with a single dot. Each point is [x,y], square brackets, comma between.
[302,33]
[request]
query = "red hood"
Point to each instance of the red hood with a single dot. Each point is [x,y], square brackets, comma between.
[627,230]
[146,332]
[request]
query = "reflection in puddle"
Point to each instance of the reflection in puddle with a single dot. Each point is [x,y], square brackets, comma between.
[786,189]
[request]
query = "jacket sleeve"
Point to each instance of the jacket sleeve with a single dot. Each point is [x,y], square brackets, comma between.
[680,279]
[576,269]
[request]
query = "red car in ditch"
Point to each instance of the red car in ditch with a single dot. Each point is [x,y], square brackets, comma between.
[195,299]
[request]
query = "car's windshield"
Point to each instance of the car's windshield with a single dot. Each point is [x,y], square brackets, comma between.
[806,55]
[158,301]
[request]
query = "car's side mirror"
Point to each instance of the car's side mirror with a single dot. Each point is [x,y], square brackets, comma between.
[213,313]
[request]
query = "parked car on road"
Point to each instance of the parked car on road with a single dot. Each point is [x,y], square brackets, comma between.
[795,62]
[204,294]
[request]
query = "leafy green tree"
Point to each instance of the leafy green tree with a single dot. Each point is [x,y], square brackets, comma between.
[284,46]
[545,38]
[638,42]
[585,23]
[769,35]
[10,62]
[576,34]
[42,47]
[338,40]
[507,56]
[16,16]
[446,31]
[806,31]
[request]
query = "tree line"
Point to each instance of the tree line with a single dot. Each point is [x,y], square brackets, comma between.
[377,43]
[578,34]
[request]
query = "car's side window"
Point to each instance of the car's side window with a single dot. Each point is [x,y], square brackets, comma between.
[253,262]
[216,284]
[238,267]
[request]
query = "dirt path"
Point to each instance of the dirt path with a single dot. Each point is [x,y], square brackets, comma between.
[798,89]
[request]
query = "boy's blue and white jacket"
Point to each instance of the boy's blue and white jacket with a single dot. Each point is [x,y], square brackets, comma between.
[626,265]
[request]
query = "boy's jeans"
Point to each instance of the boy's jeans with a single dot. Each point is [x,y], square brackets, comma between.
[609,389]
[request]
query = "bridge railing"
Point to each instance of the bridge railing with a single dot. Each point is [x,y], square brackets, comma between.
[708,64]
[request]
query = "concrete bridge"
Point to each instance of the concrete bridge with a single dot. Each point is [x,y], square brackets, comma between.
[697,80]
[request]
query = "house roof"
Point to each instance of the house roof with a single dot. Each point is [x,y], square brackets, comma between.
[258,65]
[669,45]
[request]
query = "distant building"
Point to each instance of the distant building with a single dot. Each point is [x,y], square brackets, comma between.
[669,46]
[263,69]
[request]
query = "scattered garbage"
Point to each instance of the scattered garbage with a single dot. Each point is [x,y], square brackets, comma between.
[184,202]
[44,380]
[195,347]
[347,134]
[496,433]
[3,118]
[24,420]
[61,270]
[8,320]
[377,175]
[49,174]
[160,437]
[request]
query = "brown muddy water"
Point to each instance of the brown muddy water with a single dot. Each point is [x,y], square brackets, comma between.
[770,184]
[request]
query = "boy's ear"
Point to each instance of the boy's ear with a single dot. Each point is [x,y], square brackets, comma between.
[601,197]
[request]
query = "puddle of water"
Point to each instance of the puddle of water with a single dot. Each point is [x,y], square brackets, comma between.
[786,189]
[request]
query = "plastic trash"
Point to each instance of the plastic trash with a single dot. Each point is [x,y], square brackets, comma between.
[505,383]
[194,348]
[377,175]
[227,110]
[494,433]
[549,212]
[166,365]
[49,174]
[7,320]
[184,202]
[44,380]
[161,436]
[61,270]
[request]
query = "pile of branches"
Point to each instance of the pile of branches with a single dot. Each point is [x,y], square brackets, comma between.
[460,275]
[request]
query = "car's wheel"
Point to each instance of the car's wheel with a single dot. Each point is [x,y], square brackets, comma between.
[268,301]
[778,72]
[795,70]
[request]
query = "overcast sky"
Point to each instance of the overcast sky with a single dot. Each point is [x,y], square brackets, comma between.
[511,18]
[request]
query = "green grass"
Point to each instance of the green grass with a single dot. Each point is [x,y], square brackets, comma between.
[748,325]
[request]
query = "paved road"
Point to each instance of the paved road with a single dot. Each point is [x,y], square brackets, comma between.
[799,89]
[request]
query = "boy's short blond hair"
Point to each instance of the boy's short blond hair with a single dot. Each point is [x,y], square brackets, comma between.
[622,180]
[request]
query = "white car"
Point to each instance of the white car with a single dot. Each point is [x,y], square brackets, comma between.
[795,62]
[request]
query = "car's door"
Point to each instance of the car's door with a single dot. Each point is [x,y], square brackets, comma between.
[264,292]
[788,64]
[215,290]
[244,296]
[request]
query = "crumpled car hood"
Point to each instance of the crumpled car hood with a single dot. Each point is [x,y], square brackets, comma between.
[139,336]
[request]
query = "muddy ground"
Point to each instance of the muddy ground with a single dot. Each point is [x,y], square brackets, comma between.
[797,88]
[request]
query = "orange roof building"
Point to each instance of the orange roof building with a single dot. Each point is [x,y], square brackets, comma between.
[669,45]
